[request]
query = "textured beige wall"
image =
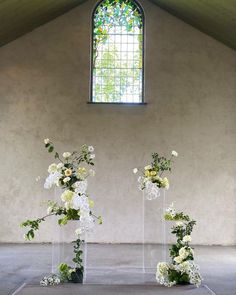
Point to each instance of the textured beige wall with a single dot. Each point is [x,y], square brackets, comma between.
[191,95]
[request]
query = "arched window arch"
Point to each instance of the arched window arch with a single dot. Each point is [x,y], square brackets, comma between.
[117,52]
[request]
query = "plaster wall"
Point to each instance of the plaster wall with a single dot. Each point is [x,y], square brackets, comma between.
[190,90]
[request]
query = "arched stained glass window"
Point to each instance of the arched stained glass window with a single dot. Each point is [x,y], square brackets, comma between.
[117,52]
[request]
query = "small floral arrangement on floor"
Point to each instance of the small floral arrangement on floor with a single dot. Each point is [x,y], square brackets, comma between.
[182,269]
[151,180]
[70,174]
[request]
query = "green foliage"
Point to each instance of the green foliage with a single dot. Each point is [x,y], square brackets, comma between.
[178,277]
[33,225]
[100,220]
[78,254]
[160,163]
[177,217]
[65,272]
[180,231]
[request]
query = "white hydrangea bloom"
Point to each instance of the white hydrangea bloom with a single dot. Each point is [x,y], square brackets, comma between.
[81,186]
[51,180]
[151,190]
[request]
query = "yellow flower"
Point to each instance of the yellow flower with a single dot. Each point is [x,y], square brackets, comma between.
[147,173]
[68,172]
[153,173]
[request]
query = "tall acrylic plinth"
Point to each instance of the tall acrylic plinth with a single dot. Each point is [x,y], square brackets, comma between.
[124,264]
[154,234]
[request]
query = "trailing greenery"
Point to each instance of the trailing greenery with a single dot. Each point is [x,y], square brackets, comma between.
[70,174]
[182,269]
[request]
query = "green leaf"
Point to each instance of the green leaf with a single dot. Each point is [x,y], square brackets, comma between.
[51,148]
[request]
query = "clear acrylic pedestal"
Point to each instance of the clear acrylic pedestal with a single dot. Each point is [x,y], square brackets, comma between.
[118,264]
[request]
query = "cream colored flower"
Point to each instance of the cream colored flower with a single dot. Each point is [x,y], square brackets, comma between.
[183,253]
[52,168]
[81,172]
[65,180]
[46,140]
[178,259]
[187,239]
[179,223]
[68,172]
[174,154]
[165,183]
[153,173]
[163,268]
[148,167]
[67,196]
[90,148]
[60,165]
[135,170]
[92,156]
[49,210]
[66,155]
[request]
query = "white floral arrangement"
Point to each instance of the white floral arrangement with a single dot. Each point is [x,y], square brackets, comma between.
[151,179]
[182,269]
[70,174]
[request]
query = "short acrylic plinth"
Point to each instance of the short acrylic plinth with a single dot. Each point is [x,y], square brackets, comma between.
[119,263]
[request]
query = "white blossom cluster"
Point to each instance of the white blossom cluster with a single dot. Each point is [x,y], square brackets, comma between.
[183,267]
[74,196]
[187,267]
[151,181]
[150,189]
[51,280]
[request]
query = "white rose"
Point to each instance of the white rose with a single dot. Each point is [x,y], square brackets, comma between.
[183,253]
[187,239]
[66,179]
[174,154]
[52,168]
[92,156]
[178,259]
[91,149]
[179,223]
[135,170]
[148,167]
[46,140]
[92,172]
[60,165]
[66,155]
[78,231]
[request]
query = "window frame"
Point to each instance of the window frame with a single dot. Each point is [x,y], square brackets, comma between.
[143,60]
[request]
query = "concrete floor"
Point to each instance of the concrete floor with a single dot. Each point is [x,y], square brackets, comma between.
[27,263]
